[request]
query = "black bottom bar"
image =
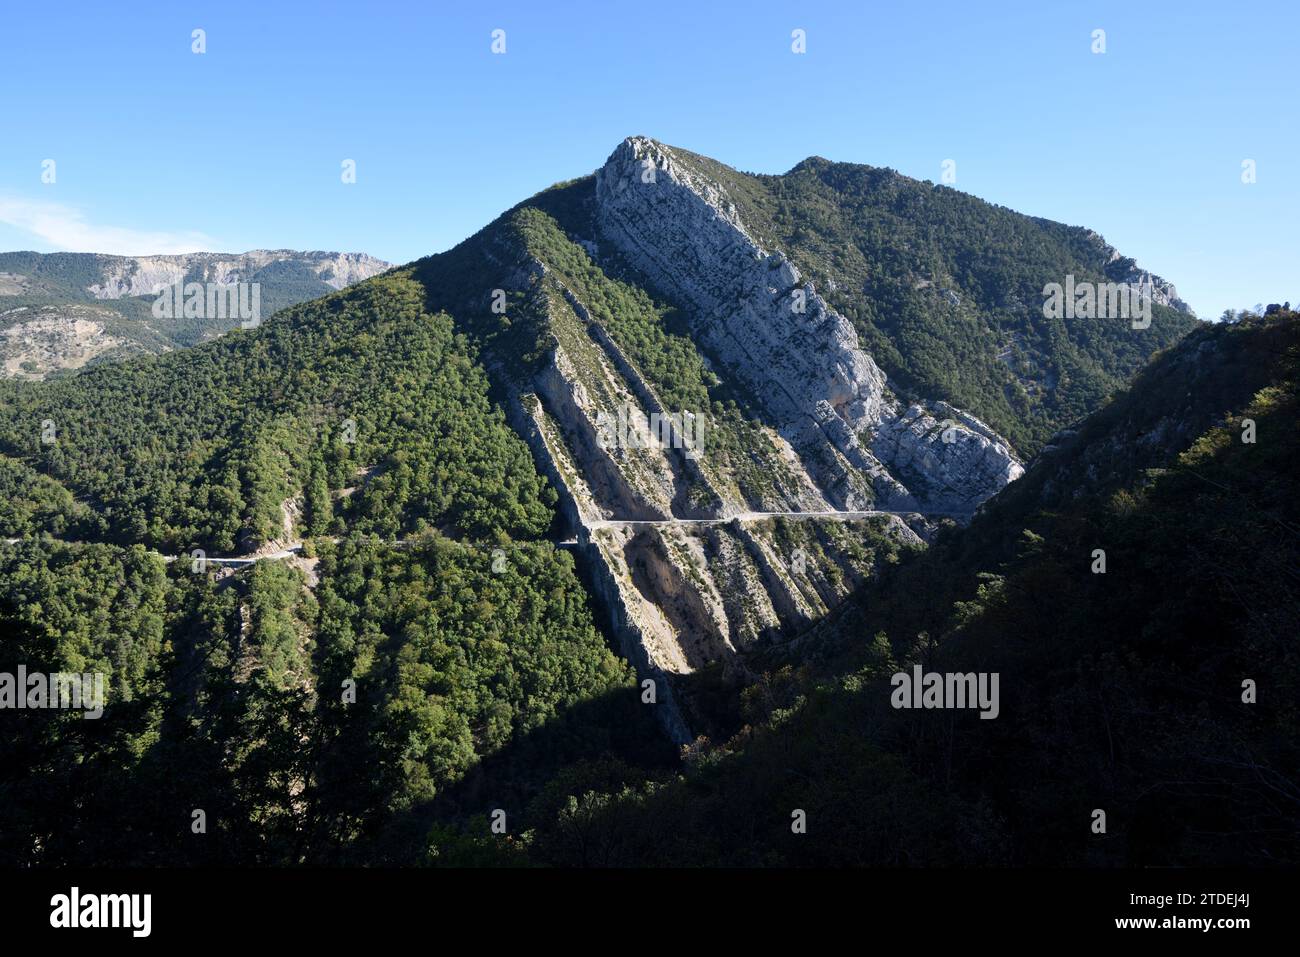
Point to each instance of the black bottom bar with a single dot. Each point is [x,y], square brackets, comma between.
[439,906]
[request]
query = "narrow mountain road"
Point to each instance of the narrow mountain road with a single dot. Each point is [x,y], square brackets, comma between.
[289,551]
[294,549]
[830,514]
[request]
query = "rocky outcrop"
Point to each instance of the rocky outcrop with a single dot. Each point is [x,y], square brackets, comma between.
[756,315]
[949,484]
[1122,269]
[640,629]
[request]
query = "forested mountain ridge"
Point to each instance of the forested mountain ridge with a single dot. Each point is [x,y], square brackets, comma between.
[1099,709]
[891,253]
[644,285]
[359,416]
[462,405]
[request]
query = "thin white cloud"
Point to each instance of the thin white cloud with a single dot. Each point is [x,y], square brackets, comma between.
[66,229]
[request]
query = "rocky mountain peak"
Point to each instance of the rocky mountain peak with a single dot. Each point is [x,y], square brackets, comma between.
[753,310]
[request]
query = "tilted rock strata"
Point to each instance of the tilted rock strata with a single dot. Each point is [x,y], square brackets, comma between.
[800,358]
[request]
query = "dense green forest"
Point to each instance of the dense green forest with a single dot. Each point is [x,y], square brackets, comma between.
[361,391]
[308,724]
[32,503]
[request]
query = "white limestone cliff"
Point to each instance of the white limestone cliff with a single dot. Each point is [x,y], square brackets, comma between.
[123,276]
[754,312]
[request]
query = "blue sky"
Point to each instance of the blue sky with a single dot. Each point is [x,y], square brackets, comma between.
[158,149]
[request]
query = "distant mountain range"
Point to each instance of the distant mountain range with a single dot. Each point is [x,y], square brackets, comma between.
[63,311]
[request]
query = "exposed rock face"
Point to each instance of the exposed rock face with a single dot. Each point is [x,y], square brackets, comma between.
[797,356]
[1123,270]
[623,481]
[683,595]
[35,341]
[143,275]
[685,585]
